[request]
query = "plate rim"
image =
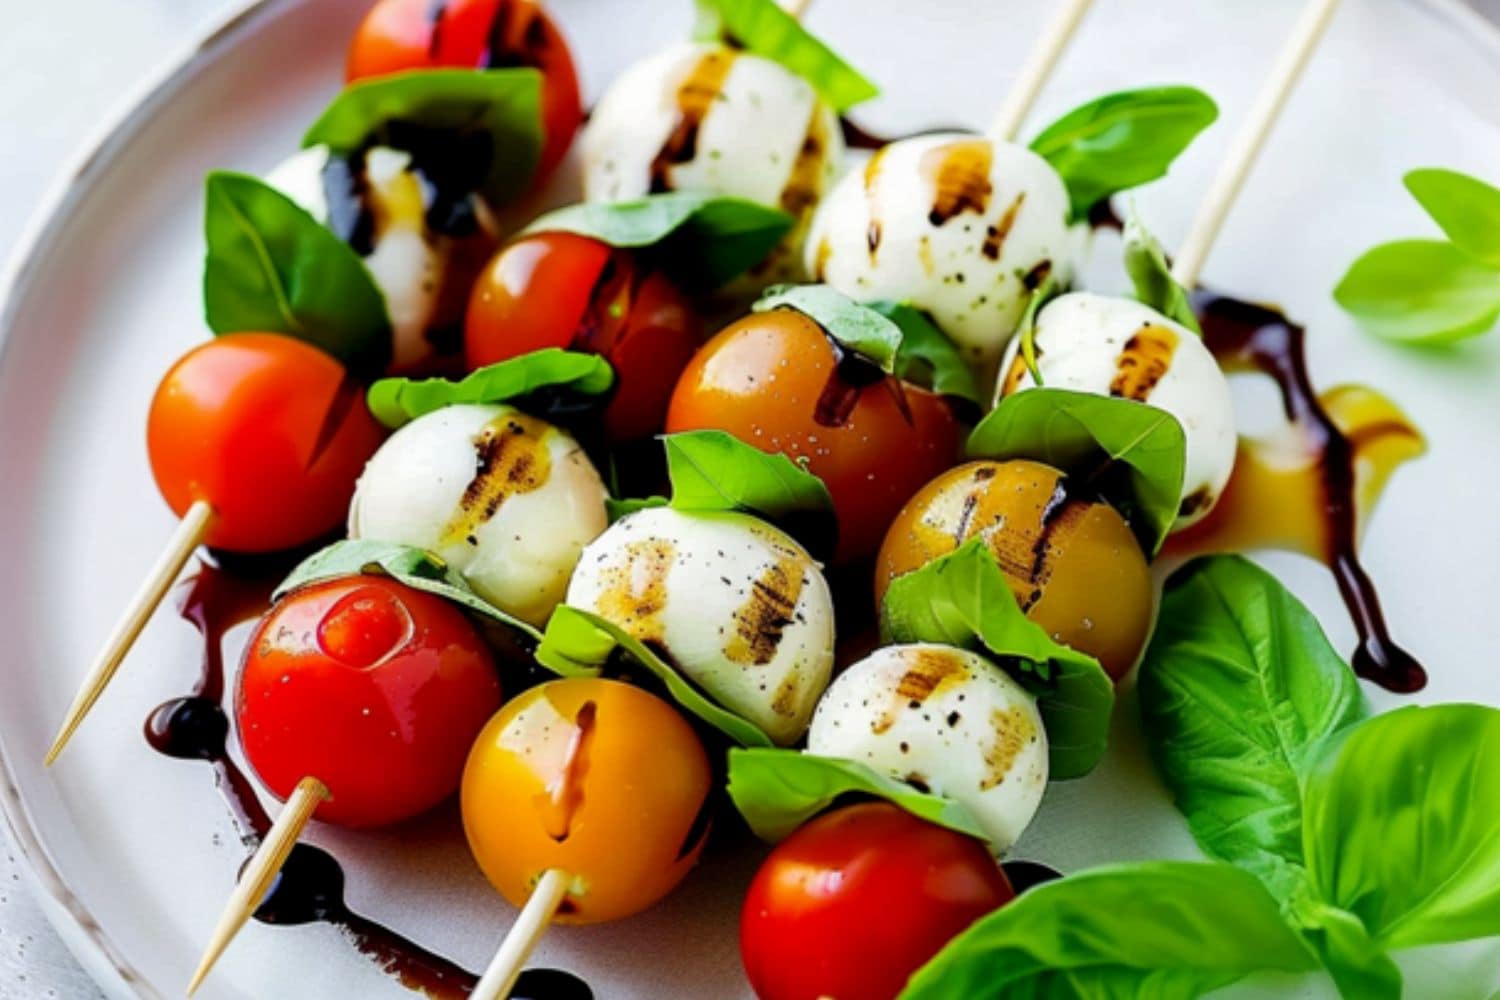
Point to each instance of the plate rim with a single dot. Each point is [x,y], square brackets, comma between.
[83,936]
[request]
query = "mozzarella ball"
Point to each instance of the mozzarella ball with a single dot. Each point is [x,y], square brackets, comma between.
[734,603]
[945,720]
[1120,347]
[957,225]
[712,119]
[507,500]
[380,205]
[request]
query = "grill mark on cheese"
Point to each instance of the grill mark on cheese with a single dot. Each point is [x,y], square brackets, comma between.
[761,621]
[960,176]
[695,95]
[634,592]
[511,458]
[806,180]
[1142,362]
[994,236]
[1014,731]
[872,175]
[927,671]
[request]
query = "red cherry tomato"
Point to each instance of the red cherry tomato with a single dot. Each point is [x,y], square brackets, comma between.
[401,35]
[269,430]
[853,903]
[562,290]
[374,688]
[774,380]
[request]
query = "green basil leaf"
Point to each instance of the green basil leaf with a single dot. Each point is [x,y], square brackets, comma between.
[1402,825]
[579,643]
[1160,929]
[778,790]
[701,239]
[1146,263]
[397,401]
[1239,692]
[418,569]
[925,356]
[1122,140]
[858,328]
[271,266]
[1421,291]
[1131,453]
[501,104]
[763,28]
[616,509]
[1026,330]
[1465,207]
[962,599]
[1358,964]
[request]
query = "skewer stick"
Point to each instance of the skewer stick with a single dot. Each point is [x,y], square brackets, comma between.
[796,8]
[260,872]
[184,541]
[1038,68]
[505,968]
[1251,138]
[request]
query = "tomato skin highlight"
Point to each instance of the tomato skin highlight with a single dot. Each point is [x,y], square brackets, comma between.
[858,899]
[267,429]
[399,35]
[373,688]
[767,380]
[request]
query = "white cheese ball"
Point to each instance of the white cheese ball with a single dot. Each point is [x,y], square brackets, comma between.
[1119,347]
[737,605]
[945,720]
[707,118]
[955,224]
[507,500]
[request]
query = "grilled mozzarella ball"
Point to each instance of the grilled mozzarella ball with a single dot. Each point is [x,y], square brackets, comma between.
[507,500]
[712,119]
[955,224]
[381,205]
[1119,347]
[942,719]
[737,605]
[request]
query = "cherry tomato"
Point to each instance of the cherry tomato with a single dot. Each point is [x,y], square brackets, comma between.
[374,688]
[857,900]
[775,380]
[594,777]
[562,290]
[401,35]
[269,430]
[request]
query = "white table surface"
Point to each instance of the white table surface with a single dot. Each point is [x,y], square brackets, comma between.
[63,65]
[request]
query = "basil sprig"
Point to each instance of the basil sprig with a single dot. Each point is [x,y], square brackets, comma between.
[1122,140]
[271,266]
[1146,263]
[763,28]
[398,401]
[925,356]
[962,599]
[778,790]
[861,329]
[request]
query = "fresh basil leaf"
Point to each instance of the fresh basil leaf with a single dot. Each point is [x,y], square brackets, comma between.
[1122,140]
[962,599]
[616,509]
[778,790]
[579,643]
[1026,330]
[1358,964]
[501,107]
[271,266]
[858,328]
[1467,209]
[397,401]
[1131,453]
[1402,825]
[763,28]
[1146,263]
[418,569]
[925,356]
[1239,692]
[1160,929]
[1421,292]
[702,240]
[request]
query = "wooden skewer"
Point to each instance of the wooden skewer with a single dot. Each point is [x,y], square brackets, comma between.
[190,532]
[261,872]
[505,968]
[1038,68]
[1251,138]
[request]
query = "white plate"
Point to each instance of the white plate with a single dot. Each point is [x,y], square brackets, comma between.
[133,853]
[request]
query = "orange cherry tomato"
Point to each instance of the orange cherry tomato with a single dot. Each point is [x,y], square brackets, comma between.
[373,688]
[269,430]
[596,778]
[776,380]
[568,291]
[401,35]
